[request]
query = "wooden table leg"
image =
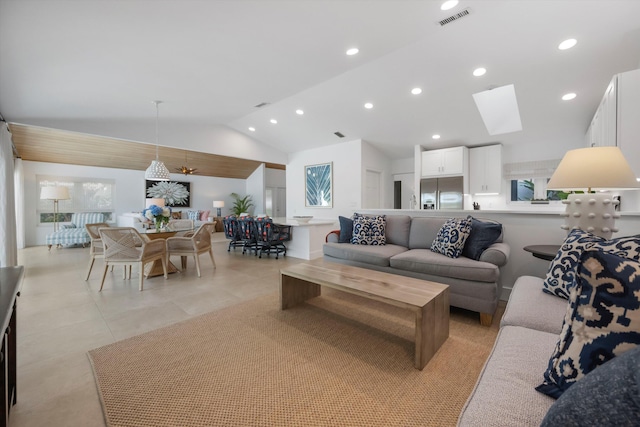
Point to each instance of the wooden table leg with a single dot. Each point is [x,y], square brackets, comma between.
[155,268]
[293,291]
[432,328]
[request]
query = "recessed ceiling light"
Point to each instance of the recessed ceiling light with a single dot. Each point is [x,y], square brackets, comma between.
[274,121]
[450,4]
[353,51]
[299,112]
[567,44]
[436,136]
[479,72]
[252,129]
[568,96]
[416,91]
[368,105]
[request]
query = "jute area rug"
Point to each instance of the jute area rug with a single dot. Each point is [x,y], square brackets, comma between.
[337,360]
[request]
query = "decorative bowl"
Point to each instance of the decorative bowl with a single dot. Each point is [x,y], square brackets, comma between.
[303,219]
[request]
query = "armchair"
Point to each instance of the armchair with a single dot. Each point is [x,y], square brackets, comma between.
[75,233]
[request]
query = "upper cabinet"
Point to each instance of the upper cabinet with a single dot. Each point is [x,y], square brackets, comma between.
[602,131]
[445,162]
[616,122]
[485,169]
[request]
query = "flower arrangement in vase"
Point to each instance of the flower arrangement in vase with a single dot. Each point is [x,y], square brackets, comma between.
[160,215]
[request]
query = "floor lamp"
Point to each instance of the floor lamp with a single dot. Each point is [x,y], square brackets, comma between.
[55,194]
[588,169]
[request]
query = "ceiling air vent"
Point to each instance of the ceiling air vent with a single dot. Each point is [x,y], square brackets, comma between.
[455,17]
[262,104]
[338,134]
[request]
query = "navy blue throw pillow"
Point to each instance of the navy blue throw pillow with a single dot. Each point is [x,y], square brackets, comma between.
[607,396]
[483,235]
[346,230]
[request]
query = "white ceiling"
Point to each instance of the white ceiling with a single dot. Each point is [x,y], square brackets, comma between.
[94,66]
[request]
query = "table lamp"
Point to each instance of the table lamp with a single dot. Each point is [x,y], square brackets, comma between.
[589,169]
[218,204]
[55,194]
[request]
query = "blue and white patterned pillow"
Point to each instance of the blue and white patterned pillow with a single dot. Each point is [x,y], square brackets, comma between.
[561,274]
[194,215]
[369,230]
[602,319]
[451,238]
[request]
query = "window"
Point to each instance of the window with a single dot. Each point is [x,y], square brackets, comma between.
[534,189]
[86,195]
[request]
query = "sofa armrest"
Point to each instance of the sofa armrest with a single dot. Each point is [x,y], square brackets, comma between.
[497,254]
[333,236]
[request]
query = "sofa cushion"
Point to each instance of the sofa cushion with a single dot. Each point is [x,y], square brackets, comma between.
[368,230]
[601,322]
[531,308]
[204,216]
[424,231]
[426,261]
[561,275]
[398,228]
[346,229]
[607,396]
[451,237]
[504,394]
[375,255]
[483,234]
[176,215]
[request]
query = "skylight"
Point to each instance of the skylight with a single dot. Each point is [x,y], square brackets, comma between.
[499,110]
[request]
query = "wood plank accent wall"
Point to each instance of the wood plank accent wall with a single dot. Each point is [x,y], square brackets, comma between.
[56,146]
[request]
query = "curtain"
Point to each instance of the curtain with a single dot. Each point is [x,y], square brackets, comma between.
[18,177]
[8,243]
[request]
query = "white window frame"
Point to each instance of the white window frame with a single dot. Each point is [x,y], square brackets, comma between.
[80,197]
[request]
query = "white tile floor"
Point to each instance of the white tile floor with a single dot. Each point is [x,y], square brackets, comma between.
[61,317]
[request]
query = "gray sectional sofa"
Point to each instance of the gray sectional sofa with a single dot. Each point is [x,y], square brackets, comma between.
[474,284]
[505,393]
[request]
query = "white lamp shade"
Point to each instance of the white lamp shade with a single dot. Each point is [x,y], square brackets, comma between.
[157,171]
[594,168]
[218,204]
[157,202]
[54,193]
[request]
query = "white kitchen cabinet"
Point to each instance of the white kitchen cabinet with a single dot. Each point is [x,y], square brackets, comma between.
[616,122]
[445,162]
[628,118]
[603,128]
[485,169]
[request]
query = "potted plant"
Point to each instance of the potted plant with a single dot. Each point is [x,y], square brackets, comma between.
[241,204]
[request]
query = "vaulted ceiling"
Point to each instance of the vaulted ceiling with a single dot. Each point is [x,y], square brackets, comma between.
[94,67]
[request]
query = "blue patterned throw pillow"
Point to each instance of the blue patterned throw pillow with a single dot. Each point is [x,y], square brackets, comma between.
[369,230]
[451,237]
[194,215]
[602,319]
[561,274]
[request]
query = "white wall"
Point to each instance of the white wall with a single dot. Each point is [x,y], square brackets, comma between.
[129,194]
[401,166]
[374,160]
[275,178]
[255,188]
[406,189]
[347,179]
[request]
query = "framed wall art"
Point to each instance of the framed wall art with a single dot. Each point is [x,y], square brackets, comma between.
[318,185]
[176,194]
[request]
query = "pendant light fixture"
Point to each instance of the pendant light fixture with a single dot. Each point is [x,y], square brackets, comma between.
[157,171]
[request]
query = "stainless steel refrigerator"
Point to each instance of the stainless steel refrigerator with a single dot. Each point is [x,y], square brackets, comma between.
[442,193]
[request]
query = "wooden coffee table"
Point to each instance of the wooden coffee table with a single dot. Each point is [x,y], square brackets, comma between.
[429,300]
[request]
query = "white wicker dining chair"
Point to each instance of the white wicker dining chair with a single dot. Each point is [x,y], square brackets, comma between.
[195,245]
[125,246]
[96,250]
